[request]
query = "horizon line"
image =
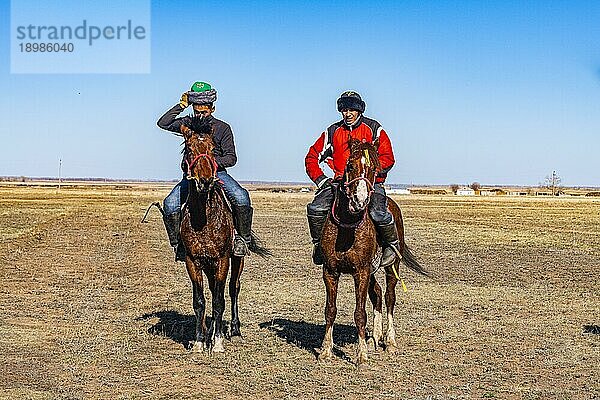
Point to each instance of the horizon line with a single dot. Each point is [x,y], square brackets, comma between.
[22,178]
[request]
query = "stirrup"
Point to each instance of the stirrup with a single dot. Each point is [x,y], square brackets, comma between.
[317,255]
[240,247]
[179,252]
[389,254]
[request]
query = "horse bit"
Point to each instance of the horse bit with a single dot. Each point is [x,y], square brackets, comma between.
[214,165]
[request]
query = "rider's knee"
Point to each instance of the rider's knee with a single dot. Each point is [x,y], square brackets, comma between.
[171,204]
[321,203]
[317,209]
[241,197]
[381,217]
[170,208]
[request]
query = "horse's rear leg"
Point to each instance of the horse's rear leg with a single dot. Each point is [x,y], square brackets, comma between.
[331,285]
[375,295]
[217,285]
[237,265]
[361,287]
[390,303]
[199,303]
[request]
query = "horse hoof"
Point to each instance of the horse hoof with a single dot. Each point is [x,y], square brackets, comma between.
[237,339]
[218,346]
[361,360]
[371,343]
[198,347]
[391,348]
[326,355]
[374,343]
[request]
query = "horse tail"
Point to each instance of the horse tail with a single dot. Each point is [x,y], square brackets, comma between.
[257,246]
[409,259]
[155,204]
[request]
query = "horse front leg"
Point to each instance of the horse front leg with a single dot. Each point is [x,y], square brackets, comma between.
[198,302]
[361,282]
[390,303]
[237,265]
[218,304]
[331,286]
[375,295]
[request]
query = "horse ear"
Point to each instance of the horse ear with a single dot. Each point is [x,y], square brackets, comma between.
[353,143]
[376,144]
[185,131]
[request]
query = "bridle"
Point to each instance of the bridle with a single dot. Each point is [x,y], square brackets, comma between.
[346,191]
[360,178]
[213,164]
[341,224]
[349,182]
[189,134]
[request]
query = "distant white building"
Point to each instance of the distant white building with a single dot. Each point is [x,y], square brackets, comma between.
[398,191]
[465,191]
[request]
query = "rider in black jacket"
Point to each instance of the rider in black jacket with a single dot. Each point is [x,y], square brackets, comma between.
[202,97]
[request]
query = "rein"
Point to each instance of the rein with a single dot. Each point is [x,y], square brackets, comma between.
[341,224]
[348,195]
[214,165]
[360,178]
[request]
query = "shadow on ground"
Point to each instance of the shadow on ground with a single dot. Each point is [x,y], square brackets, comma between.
[308,336]
[178,327]
[593,329]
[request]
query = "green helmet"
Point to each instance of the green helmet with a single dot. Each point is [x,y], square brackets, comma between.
[202,93]
[201,87]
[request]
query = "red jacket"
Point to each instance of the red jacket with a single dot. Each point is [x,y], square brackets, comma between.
[332,147]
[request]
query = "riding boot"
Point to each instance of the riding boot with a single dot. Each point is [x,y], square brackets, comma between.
[172,224]
[315,225]
[180,252]
[389,238]
[243,227]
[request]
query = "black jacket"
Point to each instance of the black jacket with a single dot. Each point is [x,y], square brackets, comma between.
[224,151]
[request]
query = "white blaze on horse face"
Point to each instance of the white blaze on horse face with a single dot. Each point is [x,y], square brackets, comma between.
[362,192]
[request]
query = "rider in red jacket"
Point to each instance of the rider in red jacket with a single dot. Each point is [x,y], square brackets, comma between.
[332,147]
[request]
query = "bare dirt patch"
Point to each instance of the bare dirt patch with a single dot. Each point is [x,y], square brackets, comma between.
[92,305]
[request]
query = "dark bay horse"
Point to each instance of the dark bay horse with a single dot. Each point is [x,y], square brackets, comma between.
[350,246]
[207,231]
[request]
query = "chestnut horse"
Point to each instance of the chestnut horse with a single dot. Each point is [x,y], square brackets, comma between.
[350,246]
[207,230]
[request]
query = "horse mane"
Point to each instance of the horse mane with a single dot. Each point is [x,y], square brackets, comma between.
[200,126]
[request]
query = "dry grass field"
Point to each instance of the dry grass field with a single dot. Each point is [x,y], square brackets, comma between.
[93,307]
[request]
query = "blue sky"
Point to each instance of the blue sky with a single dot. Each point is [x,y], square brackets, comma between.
[494,92]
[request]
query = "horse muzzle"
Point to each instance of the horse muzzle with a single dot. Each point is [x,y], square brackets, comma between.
[203,184]
[356,206]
